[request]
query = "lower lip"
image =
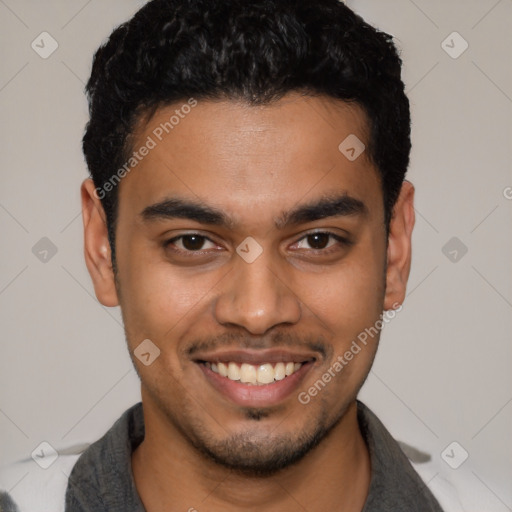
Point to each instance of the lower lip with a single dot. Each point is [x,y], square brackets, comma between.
[249,395]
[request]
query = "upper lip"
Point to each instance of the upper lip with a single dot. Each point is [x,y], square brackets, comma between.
[256,357]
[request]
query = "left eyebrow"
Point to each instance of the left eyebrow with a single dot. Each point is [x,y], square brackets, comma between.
[344,205]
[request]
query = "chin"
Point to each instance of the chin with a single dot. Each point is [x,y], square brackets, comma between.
[254,453]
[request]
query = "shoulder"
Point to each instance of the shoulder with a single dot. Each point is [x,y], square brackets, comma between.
[103,472]
[395,485]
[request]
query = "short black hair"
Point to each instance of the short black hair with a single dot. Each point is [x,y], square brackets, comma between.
[251,50]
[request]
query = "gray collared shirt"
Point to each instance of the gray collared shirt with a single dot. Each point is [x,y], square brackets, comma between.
[102,478]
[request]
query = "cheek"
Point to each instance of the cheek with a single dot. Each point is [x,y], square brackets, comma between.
[348,298]
[158,303]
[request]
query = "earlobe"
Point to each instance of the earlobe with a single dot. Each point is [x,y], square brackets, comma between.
[399,247]
[97,250]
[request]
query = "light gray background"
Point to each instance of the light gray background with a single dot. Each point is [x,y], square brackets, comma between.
[443,372]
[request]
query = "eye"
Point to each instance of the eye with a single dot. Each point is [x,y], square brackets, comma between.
[191,243]
[319,241]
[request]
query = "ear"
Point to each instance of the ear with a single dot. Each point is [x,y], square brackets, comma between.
[399,247]
[96,246]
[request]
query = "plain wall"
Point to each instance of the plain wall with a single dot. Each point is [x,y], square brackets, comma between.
[442,373]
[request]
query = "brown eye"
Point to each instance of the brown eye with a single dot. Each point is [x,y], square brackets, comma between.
[323,241]
[193,242]
[318,240]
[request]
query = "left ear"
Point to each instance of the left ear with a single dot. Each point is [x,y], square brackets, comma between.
[399,247]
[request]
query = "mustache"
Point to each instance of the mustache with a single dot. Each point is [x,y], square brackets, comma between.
[315,343]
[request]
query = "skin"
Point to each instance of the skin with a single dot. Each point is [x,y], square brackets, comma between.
[255,165]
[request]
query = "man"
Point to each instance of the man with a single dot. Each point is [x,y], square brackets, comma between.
[248,212]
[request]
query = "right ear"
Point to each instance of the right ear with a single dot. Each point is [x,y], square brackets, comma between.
[97,251]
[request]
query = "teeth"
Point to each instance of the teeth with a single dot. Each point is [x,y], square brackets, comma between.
[223,370]
[248,374]
[265,374]
[233,371]
[279,371]
[256,375]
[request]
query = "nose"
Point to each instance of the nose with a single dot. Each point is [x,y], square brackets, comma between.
[256,298]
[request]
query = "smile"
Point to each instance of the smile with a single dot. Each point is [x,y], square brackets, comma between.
[256,375]
[256,378]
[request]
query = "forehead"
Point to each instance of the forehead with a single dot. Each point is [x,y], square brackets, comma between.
[229,154]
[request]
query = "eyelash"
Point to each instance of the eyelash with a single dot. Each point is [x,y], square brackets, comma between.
[176,238]
[343,241]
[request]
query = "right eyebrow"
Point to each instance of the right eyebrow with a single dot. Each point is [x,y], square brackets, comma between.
[176,208]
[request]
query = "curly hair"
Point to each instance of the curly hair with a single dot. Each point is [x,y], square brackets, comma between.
[256,51]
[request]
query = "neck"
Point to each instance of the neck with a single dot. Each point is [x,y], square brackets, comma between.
[334,476]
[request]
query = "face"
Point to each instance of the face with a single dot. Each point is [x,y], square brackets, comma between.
[252,253]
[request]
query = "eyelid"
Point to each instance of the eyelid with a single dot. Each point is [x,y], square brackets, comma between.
[344,239]
[171,241]
[186,232]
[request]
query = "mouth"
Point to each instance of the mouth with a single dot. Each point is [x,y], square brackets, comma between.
[255,379]
[260,375]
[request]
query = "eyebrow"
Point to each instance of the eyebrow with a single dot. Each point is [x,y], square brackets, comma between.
[338,206]
[177,208]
